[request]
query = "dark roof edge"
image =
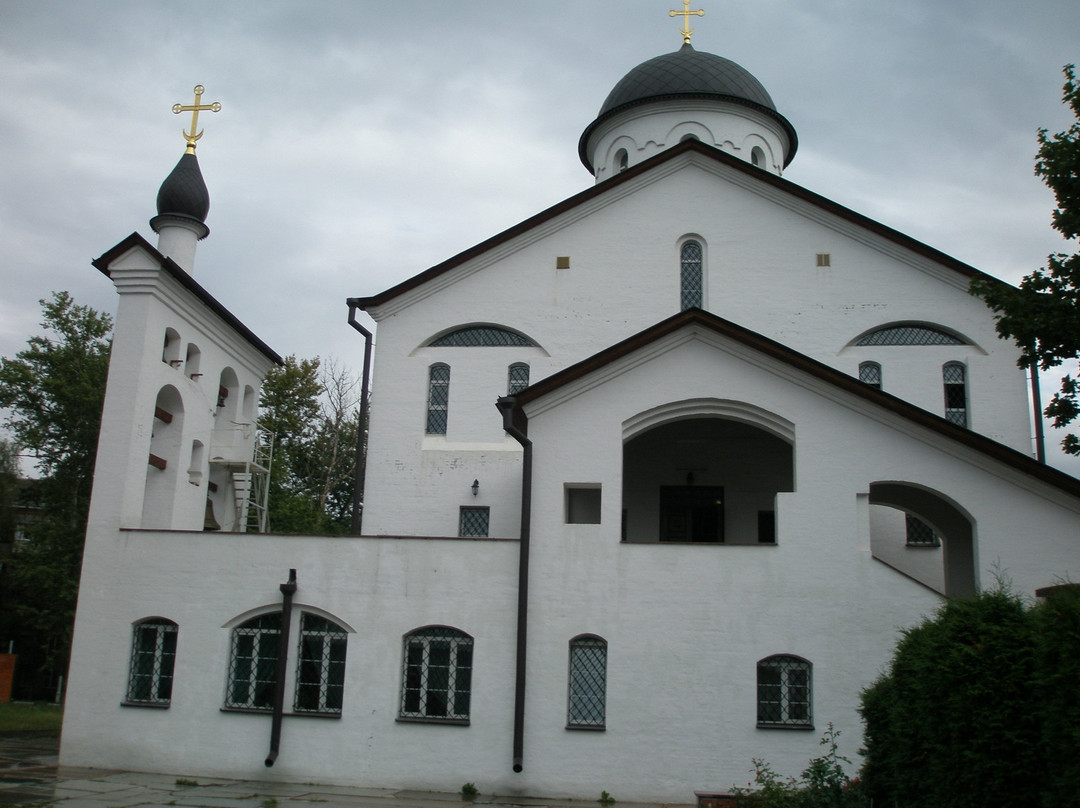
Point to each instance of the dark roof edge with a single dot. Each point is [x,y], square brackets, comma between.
[785,124]
[775,350]
[907,242]
[102,262]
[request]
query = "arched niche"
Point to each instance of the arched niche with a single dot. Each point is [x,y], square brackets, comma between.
[164,461]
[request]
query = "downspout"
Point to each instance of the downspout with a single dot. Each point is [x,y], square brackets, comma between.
[1036,398]
[361,432]
[506,407]
[287,590]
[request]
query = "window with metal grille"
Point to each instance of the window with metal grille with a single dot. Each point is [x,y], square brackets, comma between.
[517,378]
[473,521]
[253,663]
[784,692]
[909,334]
[870,373]
[438,399]
[320,671]
[437,676]
[954,378]
[691,282]
[153,654]
[482,336]
[920,534]
[588,683]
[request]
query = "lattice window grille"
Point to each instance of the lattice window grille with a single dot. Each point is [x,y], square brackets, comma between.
[253,668]
[438,399]
[920,534]
[783,684]
[437,677]
[909,335]
[153,655]
[482,337]
[588,682]
[691,275]
[473,522]
[954,378]
[517,378]
[870,373]
[320,672]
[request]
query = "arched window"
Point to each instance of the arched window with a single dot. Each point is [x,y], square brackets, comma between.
[691,281]
[194,359]
[588,683]
[954,378]
[437,675]
[909,334]
[517,378]
[256,645]
[320,672]
[170,349]
[482,336]
[757,156]
[622,161]
[438,399]
[784,692]
[870,373]
[153,654]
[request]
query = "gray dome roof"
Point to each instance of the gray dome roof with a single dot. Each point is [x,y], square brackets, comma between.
[184,192]
[687,73]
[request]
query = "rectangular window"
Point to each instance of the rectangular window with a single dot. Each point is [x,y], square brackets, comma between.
[320,675]
[253,669]
[153,655]
[766,527]
[783,692]
[473,522]
[582,505]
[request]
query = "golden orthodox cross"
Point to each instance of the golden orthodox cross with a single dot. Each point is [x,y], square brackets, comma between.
[194,109]
[686,14]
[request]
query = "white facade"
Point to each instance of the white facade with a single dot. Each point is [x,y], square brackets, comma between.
[717,505]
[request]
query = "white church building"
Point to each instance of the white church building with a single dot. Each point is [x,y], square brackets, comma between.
[654,479]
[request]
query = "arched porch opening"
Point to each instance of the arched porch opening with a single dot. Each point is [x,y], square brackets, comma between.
[705,472]
[911,552]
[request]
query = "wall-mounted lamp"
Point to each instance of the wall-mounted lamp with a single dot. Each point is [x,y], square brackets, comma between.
[475,487]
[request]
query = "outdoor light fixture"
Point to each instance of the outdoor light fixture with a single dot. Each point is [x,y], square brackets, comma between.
[475,487]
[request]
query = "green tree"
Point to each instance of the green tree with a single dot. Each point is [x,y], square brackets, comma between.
[54,390]
[312,411]
[1043,314]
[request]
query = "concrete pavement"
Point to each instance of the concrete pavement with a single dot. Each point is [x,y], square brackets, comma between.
[30,776]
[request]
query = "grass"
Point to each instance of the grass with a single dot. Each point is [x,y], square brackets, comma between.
[22,716]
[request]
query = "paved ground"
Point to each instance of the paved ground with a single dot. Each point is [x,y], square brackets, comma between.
[30,776]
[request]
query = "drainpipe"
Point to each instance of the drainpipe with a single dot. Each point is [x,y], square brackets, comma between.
[361,432]
[1036,398]
[506,407]
[287,590]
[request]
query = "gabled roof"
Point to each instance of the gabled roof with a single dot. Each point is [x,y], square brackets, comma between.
[804,364]
[696,146]
[135,241]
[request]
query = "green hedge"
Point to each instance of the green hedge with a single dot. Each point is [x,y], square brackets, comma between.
[980,706]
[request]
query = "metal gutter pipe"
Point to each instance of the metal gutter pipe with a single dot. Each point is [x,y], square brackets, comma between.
[506,407]
[287,591]
[1036,399]
[361,432]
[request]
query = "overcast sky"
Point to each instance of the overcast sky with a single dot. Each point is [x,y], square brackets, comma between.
[362,142]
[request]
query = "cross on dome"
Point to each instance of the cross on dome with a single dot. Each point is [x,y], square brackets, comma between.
[192,136]
[686,14]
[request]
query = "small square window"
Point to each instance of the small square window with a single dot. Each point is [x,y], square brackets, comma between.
[824,260]
[920,534]
[582,505]
[473,522]
[562,262]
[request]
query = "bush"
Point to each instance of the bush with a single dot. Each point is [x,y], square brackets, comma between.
[979,707]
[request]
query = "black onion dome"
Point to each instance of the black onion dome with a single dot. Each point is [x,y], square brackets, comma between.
[184,192]
[687,73]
